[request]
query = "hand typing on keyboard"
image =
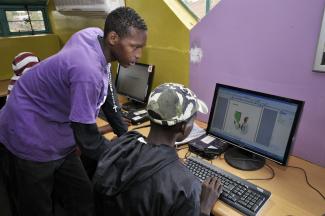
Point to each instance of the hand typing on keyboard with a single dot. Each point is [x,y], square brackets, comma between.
[237,192]
[211,190]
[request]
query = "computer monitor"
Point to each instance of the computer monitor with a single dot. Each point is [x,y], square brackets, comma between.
[135,83]
[256,124]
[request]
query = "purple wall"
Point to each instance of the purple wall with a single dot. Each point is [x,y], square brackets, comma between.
[266,46]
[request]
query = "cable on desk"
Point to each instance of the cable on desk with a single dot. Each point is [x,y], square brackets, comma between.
[188,153]
[211,160]
[322,195]
[216,157]
[269,178]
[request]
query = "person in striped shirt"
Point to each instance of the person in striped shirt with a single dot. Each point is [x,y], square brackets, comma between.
[20,65]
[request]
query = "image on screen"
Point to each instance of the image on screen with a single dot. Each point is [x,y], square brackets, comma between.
[261,123]
[134,81]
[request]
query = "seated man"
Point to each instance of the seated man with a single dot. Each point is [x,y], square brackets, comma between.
[20,65]
[144,176]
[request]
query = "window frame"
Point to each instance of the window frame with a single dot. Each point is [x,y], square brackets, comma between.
[5,31]
[192,13]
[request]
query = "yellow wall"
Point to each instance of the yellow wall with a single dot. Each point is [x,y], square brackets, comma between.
[168,38]
[41,45]
[168,41]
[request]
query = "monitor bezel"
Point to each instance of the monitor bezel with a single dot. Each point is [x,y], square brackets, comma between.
[149,83]
[293,131]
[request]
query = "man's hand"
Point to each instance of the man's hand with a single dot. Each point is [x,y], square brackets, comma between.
[127,121]
[211,190]
[105,129]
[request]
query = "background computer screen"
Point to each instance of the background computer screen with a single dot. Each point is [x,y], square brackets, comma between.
[135,81]
[260,123]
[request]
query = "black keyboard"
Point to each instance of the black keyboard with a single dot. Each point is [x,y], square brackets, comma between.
[136,117]
[237,192]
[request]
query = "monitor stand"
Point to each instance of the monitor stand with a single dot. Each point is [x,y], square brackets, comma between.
[243,160]
[133,105]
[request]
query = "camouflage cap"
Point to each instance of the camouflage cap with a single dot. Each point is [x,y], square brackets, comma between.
[171,103]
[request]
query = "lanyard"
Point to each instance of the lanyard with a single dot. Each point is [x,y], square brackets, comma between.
[109,75]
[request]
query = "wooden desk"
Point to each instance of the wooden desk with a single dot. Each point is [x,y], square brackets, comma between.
[290,193]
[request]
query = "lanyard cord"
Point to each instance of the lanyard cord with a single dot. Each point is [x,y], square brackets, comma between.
[108,69]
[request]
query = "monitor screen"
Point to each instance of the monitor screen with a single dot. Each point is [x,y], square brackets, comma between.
[135,81]
[260,123]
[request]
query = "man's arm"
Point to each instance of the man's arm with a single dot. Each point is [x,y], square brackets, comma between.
[105,129]
[111,109]
[88,138]
[201,202]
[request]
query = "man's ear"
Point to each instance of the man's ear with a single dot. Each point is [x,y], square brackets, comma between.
[112,38]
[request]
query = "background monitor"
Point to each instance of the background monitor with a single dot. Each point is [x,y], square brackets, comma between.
[259,125]
[135,83]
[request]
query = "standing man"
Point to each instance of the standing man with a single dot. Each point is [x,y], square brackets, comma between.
[54,107]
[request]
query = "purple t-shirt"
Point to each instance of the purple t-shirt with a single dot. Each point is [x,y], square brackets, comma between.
[68,86]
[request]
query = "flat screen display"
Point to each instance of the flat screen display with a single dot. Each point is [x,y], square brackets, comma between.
[135,81]
[257,122]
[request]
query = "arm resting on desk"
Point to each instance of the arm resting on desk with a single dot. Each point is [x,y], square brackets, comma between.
[88,138]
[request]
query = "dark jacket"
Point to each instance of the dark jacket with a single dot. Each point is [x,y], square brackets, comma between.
[138,178]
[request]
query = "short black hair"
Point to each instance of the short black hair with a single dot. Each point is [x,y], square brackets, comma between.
[121,19]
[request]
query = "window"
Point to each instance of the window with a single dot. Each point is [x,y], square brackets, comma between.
[23,20]
[199,8]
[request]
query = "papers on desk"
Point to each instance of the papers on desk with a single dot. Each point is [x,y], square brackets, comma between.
[195,133]
[136,118]
[208,139]
[140,112]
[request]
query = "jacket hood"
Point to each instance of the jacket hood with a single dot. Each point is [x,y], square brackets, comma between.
[130,160]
